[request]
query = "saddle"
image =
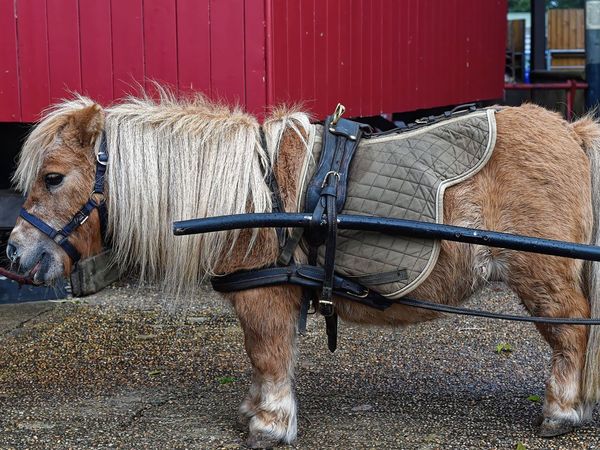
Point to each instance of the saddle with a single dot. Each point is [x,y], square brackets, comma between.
[401,174]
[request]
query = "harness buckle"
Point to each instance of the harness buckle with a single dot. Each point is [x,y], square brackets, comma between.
[363,294]
[102,158]
[331,172]
[82,218]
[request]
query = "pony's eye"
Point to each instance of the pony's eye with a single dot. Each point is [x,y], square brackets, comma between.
[53,180]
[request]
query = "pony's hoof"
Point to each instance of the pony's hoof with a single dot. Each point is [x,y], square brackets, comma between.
[260,440]
[551,428]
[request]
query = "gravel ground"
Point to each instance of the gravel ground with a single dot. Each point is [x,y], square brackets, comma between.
[121,370]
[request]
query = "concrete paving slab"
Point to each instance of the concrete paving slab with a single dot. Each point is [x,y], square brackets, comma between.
[15,316]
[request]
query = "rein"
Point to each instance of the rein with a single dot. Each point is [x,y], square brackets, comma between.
[61,237]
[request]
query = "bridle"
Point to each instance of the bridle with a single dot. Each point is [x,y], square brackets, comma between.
[61,237]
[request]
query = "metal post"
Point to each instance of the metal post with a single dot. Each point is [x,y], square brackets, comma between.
[592,52]
[538,35]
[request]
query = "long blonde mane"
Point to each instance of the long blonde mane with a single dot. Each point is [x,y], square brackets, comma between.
[172,159]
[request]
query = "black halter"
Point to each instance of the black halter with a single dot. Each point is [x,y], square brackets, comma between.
[61,237]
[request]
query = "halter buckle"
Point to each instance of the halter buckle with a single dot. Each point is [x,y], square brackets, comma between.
[82,218]
[102,158]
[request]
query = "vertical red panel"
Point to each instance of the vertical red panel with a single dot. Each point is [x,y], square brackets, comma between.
[366,106]
[10,107]
[377,52]
[474,72]
[496,46]
[294,49]
[345,94]
[160,43]
[411,59]
[438,62]
[332,40]
[428,36]
[127,46]
[227,50]
[277,74]
[357,59]
[193,45]
[451,52]
[63,48]
[96,50]
[256,88]
[400,44]
[33,59]
[307,54]
[387,86]
[320,68]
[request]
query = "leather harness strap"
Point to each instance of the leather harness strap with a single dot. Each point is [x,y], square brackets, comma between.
[311,277]
[325,196]
[61,237]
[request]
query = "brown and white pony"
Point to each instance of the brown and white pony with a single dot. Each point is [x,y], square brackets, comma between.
[177,159]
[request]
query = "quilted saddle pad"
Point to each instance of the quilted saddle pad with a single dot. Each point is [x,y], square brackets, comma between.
[403,176]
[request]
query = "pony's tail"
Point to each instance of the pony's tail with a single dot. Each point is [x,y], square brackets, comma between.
[588,132]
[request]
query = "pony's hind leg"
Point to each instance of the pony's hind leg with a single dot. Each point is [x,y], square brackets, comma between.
[550,287]
[268,319]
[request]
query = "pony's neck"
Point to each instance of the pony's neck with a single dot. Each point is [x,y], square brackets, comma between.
[287,170]
[288,167]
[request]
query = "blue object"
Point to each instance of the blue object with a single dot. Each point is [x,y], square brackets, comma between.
[11,292]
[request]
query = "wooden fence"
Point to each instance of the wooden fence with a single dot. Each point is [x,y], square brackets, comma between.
[566,39]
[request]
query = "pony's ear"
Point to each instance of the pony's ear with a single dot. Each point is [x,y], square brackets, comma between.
[85,125]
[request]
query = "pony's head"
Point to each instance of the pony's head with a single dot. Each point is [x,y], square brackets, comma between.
[56,171]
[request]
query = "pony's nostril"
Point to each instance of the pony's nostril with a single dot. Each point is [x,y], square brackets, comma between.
[11,252]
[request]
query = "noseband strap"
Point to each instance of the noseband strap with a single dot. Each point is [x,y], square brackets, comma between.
[61,237]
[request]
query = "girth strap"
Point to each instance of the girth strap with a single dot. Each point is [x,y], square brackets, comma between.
[300,275]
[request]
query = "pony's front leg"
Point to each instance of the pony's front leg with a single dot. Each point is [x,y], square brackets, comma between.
[268,318]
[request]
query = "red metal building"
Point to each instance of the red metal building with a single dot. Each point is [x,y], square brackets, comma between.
[373,55]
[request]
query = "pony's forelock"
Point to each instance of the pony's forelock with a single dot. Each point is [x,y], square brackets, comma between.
[41,139]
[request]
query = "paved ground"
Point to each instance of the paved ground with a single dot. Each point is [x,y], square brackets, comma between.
[121,372]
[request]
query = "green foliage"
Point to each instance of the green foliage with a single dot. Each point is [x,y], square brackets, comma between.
[519,5]
[520,446]
[503,347]
[525,5]
[226,380]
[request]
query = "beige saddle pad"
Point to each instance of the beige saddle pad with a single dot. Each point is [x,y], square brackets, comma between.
[403,176]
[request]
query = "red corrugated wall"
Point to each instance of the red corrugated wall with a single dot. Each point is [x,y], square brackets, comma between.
[380,56]
[372,55]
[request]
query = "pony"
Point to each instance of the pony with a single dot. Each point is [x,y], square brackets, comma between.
[177,158]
